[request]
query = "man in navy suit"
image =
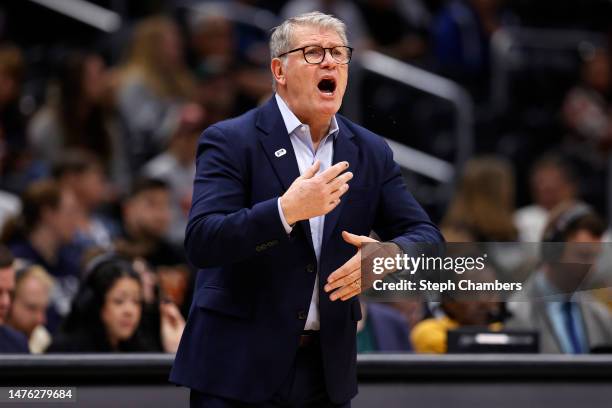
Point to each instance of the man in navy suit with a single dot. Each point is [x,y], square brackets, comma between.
[11,341]
[276,228]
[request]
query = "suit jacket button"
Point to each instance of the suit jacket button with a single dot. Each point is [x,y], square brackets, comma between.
[310,268]
[302,315]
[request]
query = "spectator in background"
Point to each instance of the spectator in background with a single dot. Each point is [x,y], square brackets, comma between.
[398,28]
[154,86]
[14,159]
[456,309]
[11,341]
[106,313]
[12,122]
[78,114]
[16,167]
[382,329]
[146,220]
[479,310]
[552,182]
[411,310]
[176,166]
[213,42]
[230,82]
[43,235]
[82,173]
[566,323]
[587,113]
[461,35]
[28,314]
[430,335]
[484,201]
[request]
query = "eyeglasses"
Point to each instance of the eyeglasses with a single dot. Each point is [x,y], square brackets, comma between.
[314,54]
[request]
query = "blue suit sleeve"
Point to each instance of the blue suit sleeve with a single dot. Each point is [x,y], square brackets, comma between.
[399,217]
[222,229]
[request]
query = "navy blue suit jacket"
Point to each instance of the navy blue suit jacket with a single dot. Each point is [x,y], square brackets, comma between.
[255,282]
[12,341]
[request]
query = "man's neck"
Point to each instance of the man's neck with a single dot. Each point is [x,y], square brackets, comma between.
[318,132]
[319,126]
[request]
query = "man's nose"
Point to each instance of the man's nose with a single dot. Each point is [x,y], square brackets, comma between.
[328,59]
[5,300]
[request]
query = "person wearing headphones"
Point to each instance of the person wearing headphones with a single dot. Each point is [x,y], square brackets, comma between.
[106,313]
[549,302]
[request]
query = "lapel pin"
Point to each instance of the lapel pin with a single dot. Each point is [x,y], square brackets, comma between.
[280,152]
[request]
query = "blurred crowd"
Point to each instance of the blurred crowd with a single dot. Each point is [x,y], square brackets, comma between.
[98,139]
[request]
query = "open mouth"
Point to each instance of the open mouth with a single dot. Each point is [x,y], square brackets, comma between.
[327,86]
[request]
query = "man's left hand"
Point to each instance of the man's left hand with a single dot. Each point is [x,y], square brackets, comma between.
[347,279]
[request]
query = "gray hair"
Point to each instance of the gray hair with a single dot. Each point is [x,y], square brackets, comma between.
[282,36]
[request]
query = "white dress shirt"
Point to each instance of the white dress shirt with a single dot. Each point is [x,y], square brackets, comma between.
[306,155]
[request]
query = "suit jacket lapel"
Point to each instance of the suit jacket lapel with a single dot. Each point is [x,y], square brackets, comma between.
[344,150]
[274,138]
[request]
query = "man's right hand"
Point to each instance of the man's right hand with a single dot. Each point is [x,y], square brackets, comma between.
[312,195]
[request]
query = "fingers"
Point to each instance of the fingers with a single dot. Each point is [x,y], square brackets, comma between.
[344,281]
[346,269]
[171,312]
[352,239]
[312,170]
[340,181]
[347,291]
[333,172]
[350,294]
[335,196]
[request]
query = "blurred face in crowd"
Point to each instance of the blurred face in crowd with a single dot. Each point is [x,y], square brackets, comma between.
[471,312]
[29,305]
[95,79]
[550,187]
[90,187]
[11,74]
[598,72]
[61,219]
[313,91]
[7,287]
[213,39]
[477,308]
[487,5]
[148,213]
[122,309]
[9,88]
[171,47]
[576,262]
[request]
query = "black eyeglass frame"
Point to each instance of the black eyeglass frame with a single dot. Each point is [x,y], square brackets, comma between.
[303,49]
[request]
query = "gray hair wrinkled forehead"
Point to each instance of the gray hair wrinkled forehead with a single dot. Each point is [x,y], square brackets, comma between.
[281,39]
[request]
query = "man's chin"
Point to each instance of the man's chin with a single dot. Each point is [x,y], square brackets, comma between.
[329,107]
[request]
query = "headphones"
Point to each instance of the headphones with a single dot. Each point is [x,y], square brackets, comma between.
[101,259]
[556,231]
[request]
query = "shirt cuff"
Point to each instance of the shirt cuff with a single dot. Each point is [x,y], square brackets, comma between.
[288,228]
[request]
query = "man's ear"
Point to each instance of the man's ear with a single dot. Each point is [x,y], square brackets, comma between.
[278,70]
